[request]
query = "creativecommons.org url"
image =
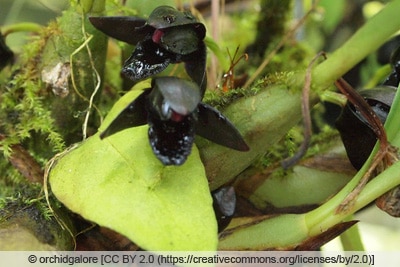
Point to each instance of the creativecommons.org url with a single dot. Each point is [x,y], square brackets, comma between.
[217,259]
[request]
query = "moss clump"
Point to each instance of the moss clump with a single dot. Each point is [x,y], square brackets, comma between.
[26,218]
[24,113]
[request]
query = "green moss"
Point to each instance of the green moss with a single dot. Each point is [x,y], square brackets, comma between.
[23,111]
[24,114]
[290,143]
[220,99]
[31,113]
[27,210]
[24,195]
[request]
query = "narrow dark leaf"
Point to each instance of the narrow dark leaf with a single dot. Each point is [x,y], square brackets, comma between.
[213,126]
[316,242]
[195,65]
[127,29]
[133,115]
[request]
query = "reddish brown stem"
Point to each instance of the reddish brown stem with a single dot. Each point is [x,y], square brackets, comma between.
[305,110]
[386,154]
[25,163]
[366,111]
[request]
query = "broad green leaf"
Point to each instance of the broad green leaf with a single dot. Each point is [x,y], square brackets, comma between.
[117,182]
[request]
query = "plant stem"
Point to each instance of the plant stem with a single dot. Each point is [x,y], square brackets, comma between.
[289,230]
[351,239]
[366,40]
[333,97]
[325,216]
[390,178]
[21,27]
[393,122]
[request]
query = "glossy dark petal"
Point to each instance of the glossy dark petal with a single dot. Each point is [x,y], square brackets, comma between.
[394,78]
[166,16]
[214,126]
[195,65]
[224,204]
[147,59]
[134,114]
[181,40]
[357,135]
[395,58]
[171,141]
[383,94]
[181,96]
[127,29]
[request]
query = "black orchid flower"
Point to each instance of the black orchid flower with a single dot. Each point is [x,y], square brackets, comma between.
[173,110]
[356,133]
[167,36]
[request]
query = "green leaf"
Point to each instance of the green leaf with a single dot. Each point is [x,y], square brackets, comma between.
[117,182]
[213,46]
